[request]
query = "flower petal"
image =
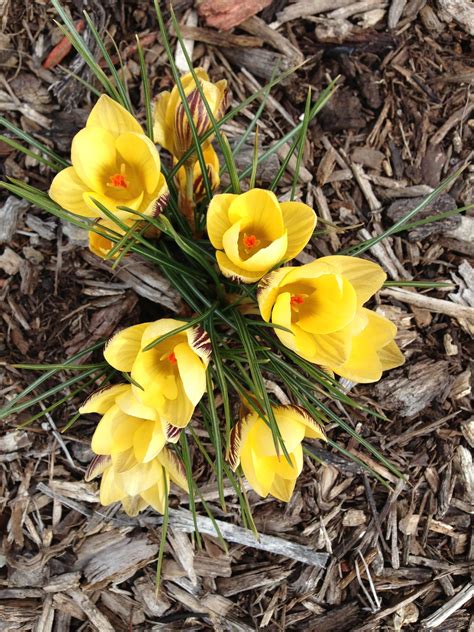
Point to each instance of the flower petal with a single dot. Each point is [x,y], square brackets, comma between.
[313,429]
[162,134]
[97,466]
[155,496]
[94,157]
[67,190]
[123,348]
[300,222]
[259,210]
[177,411]
[231,271]
[114,432]
[200,343]
[192,372]
[282,488]
[175,468]
[365,276]
[259,476]
[268,289]
[130,405]
[148,440]
[390,356]
[102,400]
[138,151]
[111,116]
[330,307]
[238,437]
[218,218]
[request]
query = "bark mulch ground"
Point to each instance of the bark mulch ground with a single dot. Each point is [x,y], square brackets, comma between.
[399,123]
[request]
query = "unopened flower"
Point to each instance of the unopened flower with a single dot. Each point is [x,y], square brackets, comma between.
[321,304]
[253,232]
[264,465]
[137,485]
[199,189]
[126,424]
[114,163]
[171,129]
[171,376]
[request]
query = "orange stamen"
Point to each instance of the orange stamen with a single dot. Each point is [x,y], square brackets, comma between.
[118,181]
[296,300]
[250,241]
[172,358]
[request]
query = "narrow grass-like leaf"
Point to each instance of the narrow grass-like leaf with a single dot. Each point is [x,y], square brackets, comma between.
[146,90]
[422,284]
[189,476]
[84,51]
[186,325]
[301,144]
[216,433]
[435,218]
[28,152]
[403,221]
[253,175]
[119,83]
[59,162]
[164,533]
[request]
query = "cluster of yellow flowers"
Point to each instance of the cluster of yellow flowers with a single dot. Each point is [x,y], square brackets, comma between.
[318,308]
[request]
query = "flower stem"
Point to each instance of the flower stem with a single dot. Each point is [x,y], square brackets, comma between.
[187,201]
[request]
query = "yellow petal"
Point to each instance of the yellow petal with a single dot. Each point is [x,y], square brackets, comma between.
[114,432]
[298,340]
[94,157]
[300,222]
[292,433]
[110,492]
[99,245]
[175,468]
[132,505]
[177,411]
[148,440]
[97,466]
[112,117]
[231,271]
[112,204]
[67,190]
[130,405]
[162,133]
[141,477]
[141,154]
[364,364]
[365,276]
[258,210]
[258,476]
[155,496]
[268,289]
[238,438]
[281,467]
[218,218]
[192,372]
[101,401]
[390,356]
[122,349]
[298,415]
[331,349]
[330,307]
[282,488]
[155,378]
[160,328]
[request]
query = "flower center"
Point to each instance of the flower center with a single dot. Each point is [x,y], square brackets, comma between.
[118,180]
[250,242]
[172,358]
[295,301]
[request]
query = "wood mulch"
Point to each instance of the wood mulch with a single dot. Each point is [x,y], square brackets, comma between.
[347,553]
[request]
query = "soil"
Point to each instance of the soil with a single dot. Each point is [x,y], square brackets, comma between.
[400,557]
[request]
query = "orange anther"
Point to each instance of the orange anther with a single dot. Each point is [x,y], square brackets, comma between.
[296,300]
[250,241]
[118,181]
[172,358]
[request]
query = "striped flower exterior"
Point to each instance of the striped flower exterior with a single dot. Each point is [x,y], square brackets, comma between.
[321,304]
[171,125]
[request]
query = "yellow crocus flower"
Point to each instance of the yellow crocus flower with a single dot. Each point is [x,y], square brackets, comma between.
[253,232]
[171,376]
[113,162]
[126,424]
[264,465]
[171,127]
[137,485]
[213,168]
[321,303]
